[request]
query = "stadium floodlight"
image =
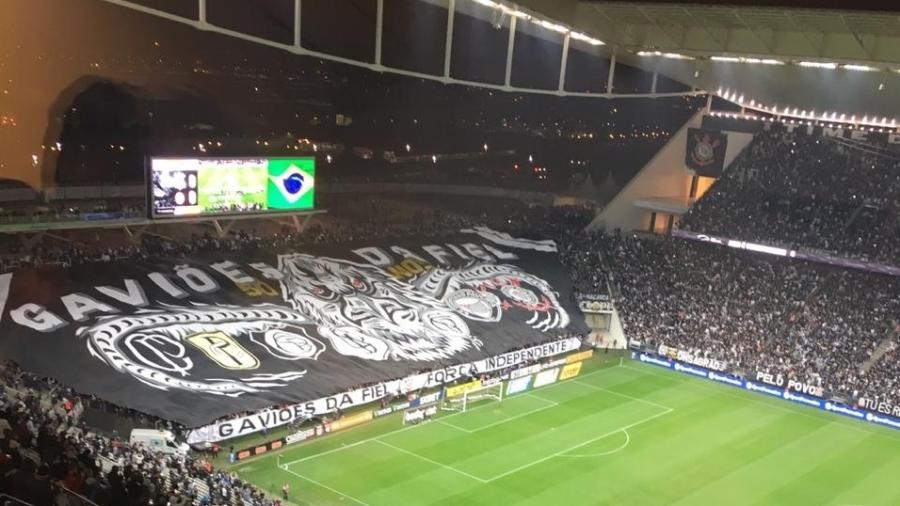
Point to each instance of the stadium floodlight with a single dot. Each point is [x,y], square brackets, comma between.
[553,26]
[861,68]
[586,38]
[741,59]
[671,56]
[488,3]
[818,64]
[517,13]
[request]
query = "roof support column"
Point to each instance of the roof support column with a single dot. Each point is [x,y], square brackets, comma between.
[379,24]
[564,62]
[448,45]
[510,46]
[298,8]
[612,73]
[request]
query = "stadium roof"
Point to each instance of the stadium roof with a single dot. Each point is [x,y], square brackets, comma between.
[783,60]
[714,30]
[836,58]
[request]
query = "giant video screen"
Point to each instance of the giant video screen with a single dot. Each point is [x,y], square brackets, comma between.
[185,187]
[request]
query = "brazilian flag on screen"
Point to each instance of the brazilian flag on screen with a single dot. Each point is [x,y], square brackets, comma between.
[292,183]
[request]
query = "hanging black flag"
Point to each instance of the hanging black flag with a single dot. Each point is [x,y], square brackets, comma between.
[705,152]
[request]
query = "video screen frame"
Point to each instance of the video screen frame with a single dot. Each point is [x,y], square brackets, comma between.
[290,181]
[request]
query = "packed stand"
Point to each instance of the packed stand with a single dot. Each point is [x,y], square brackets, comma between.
[49,455]
[815,324]
[812,323]
[808,192]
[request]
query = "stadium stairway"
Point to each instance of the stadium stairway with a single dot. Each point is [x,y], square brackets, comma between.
[887,344]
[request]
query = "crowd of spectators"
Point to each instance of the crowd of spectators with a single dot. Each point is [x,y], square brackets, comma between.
[808,322]
[809,192]
[813,323]
[51,457]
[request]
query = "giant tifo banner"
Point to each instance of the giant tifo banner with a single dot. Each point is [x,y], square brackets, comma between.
[282,415]
[195,339]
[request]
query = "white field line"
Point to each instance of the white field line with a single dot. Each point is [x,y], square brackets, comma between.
[759,399]
[426,459]
[551,404]
[579,445]
[408,427]
[601,454]
[645,401]
[326,487]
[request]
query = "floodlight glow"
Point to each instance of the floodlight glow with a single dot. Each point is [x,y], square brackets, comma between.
[741,59]
[861,68]
[818,64]
[585,38]
[672,56]
[553,26]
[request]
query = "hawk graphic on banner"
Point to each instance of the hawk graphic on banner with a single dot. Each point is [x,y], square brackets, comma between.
[231,332]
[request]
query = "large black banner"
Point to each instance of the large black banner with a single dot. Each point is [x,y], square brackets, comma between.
[195,339]
[705,153]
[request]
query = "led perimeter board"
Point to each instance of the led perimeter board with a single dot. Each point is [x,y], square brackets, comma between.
[185,187]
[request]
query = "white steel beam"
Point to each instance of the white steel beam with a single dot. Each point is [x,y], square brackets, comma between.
[298,10]
[379,24]
[510,48]
[563,63]
[448,45]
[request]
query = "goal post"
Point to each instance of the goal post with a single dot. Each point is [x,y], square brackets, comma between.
[464,400]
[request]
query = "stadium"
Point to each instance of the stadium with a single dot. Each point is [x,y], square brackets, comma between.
[449,252]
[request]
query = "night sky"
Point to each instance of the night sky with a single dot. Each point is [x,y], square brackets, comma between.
[147,86]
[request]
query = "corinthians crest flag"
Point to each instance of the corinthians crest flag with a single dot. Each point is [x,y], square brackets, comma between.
[705,153]
[195,339]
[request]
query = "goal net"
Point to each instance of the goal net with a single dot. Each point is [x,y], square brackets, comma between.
[469,398]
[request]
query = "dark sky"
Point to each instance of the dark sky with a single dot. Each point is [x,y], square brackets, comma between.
[51,50]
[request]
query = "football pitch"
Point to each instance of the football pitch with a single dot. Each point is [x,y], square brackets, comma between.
[620,435]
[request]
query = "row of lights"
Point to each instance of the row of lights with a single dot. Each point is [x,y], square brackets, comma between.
[874,121]
[513,11]
[770,61]
[550,25]
[754,117]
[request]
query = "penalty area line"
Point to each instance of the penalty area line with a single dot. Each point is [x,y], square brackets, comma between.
[579,445]
[426,459]
[620,394]
[550,404]
[409,427]
[326,487]
[600,454]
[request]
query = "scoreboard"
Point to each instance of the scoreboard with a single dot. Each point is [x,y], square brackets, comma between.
[184,187]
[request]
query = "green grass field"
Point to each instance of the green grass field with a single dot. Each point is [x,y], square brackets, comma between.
[623,435]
